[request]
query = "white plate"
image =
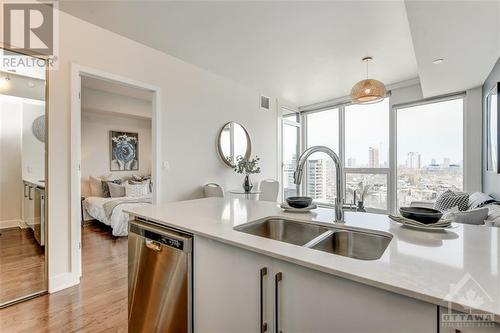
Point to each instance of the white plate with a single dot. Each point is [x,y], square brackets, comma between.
[428,228]
[290,209]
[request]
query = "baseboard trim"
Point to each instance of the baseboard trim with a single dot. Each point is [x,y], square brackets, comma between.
[10,224]
[63,281]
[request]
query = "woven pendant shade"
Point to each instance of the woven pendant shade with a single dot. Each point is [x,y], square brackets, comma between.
[368,91]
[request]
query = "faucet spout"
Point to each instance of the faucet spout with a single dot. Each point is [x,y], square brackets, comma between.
[339,169]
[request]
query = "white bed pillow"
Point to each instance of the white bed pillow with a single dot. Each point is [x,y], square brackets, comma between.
[136,190]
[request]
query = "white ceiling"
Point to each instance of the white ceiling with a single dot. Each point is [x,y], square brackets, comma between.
[306,52]
[466,34]
[116,88]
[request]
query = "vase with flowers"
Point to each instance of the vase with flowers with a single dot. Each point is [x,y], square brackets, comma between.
[362,191]
[247,166]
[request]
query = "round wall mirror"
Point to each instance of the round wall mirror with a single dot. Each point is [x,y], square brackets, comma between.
[38,128]
[233,141]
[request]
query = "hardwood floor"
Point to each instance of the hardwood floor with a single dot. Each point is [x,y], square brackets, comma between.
[98,304]
[22,264]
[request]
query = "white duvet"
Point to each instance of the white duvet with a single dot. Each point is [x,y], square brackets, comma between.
[119,219]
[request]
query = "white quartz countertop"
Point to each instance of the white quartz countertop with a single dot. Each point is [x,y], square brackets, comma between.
[458,267]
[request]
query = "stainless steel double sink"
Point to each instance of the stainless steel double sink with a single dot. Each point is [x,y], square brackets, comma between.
[364,245]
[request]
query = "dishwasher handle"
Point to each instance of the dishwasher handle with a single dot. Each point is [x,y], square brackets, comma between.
[156,237]
[153,245]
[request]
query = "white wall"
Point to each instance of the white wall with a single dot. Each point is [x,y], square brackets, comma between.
[10,163]
[33,150]
[96,146]
[194,105]
[102,101]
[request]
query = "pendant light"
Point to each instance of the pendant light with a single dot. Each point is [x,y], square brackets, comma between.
[368,91]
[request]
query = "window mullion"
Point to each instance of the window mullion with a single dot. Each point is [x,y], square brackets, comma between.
[342,143]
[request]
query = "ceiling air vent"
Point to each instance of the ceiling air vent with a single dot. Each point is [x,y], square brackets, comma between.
[264,102]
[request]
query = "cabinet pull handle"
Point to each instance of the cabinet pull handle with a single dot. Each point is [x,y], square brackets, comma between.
[25,194]
[29,196]
[277,278]
[263,325]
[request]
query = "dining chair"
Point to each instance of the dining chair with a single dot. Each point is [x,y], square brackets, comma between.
[213,190]
[269,189]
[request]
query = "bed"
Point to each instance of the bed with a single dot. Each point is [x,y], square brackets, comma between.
[110,211]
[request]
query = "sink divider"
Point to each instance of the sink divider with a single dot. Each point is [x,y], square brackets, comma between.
[319,238]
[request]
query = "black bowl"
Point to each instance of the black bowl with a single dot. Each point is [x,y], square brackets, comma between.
[421,214]
[299,202]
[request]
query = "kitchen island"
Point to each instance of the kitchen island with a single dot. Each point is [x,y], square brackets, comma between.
[246,281]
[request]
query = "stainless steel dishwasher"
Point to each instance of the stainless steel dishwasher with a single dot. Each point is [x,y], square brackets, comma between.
[159,279]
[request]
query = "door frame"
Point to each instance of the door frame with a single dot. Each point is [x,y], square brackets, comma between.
[77,72]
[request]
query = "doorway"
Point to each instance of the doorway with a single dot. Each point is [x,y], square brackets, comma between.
[100,98]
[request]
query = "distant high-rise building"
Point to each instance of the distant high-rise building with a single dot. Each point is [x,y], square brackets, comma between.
[373,161]
[446,162]
[351,162]
[433,161]
[414,160]
[320,180]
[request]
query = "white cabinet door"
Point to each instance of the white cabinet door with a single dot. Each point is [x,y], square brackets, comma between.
[226,288]
[313,302]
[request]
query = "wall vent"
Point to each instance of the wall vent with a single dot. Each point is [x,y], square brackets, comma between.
[264,102]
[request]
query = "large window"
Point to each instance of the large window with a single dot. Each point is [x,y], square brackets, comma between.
[364,149]
[323,130]
[290,151]
[367,135]
[367,153]
[430,150]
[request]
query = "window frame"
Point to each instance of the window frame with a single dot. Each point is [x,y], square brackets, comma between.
[288,122]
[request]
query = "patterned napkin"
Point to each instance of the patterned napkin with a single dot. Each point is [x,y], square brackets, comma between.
[442,223]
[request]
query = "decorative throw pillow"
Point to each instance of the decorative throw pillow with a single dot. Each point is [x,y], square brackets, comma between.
[116,190]
[475,216]
[480,199]
[95,187]
[136,190]
[449,199]
[146,182]
[105,186]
